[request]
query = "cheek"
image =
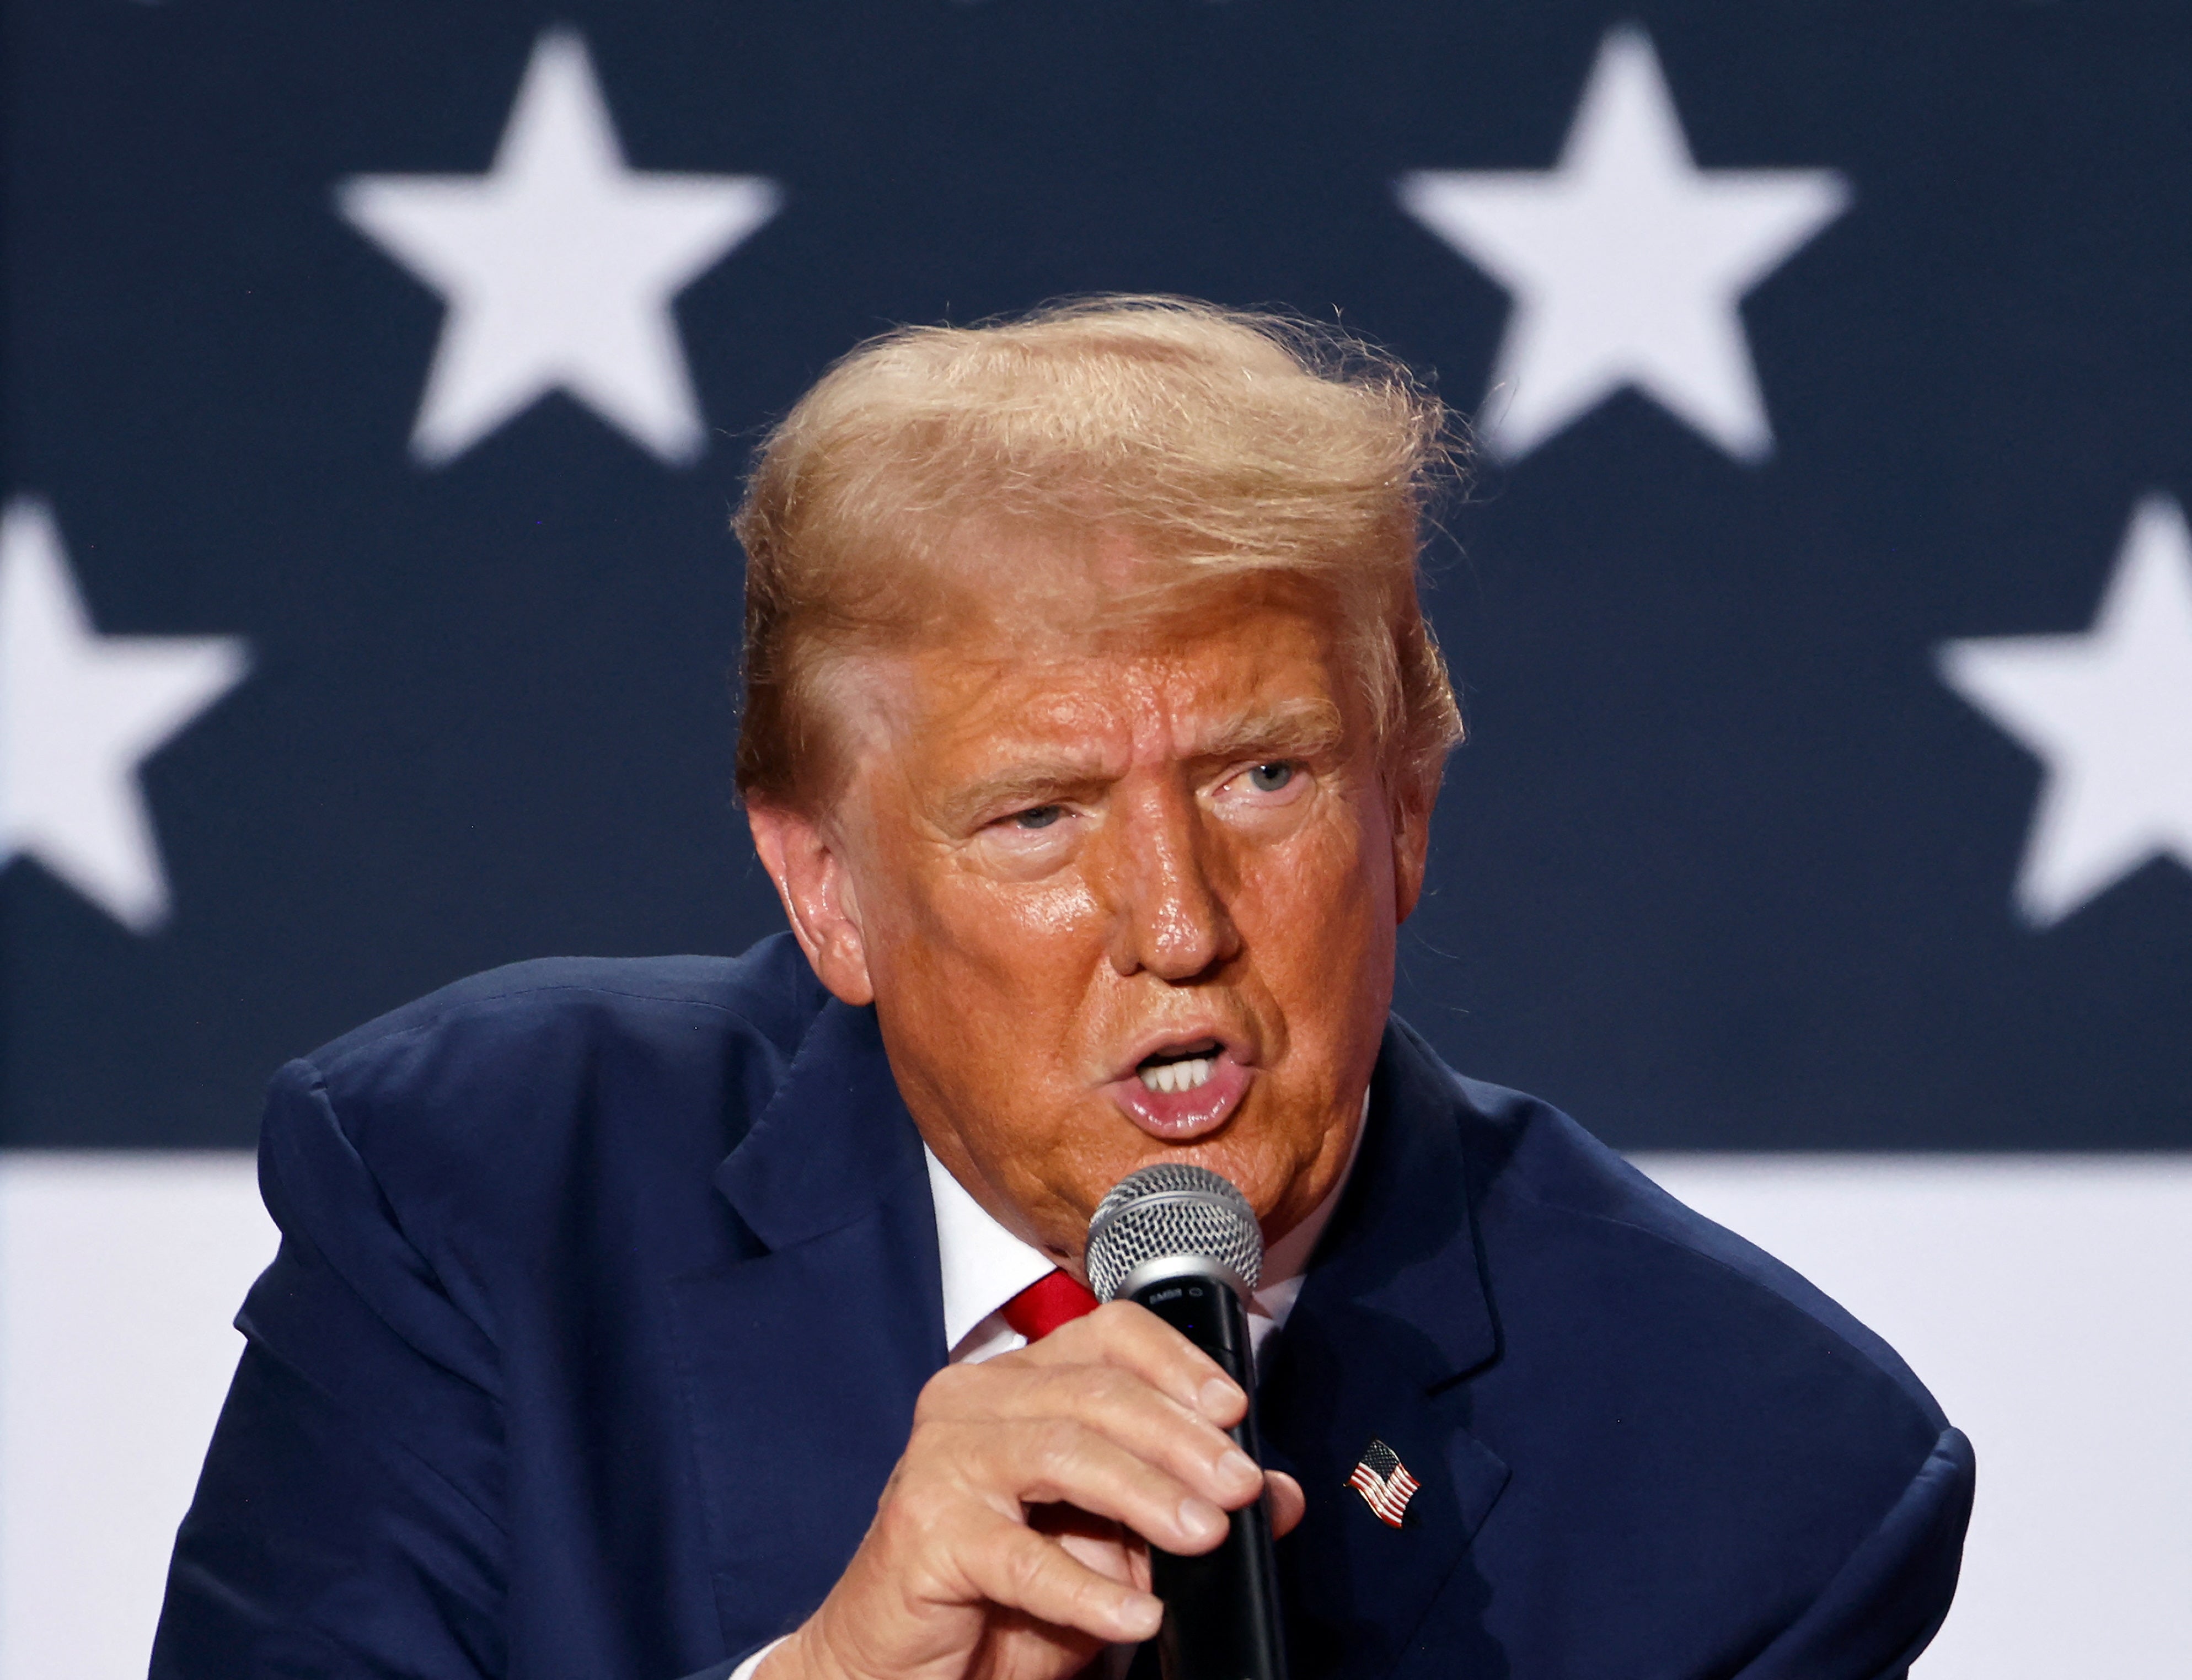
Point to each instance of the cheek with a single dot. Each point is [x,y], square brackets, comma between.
[1062,916]
[1320,920]
[958,929]
[1331,880]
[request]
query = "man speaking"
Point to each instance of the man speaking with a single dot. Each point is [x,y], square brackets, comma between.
[636,1320]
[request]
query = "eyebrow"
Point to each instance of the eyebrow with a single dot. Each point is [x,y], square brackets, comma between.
[1295,729]
[1024,787]
[1292,729]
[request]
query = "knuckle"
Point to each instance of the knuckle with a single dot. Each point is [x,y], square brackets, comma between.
[1121,1396]
[1105,1382]
[1058,1443]
[946,1390]
[1129,1388]
[894,1518]
[1115,1317]
[1024,1569]
[916,1512]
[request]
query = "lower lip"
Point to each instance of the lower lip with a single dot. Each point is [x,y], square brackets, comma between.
[1176,1116]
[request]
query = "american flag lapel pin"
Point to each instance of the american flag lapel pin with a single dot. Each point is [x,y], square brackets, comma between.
[1385,1483]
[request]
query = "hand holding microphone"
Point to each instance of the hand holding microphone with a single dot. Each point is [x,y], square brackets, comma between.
[1182,1242]
[1007,1545]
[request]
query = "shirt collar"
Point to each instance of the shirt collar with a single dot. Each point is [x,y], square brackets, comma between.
[985,1266]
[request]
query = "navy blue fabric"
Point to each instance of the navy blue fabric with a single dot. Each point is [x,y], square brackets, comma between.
[606,1289]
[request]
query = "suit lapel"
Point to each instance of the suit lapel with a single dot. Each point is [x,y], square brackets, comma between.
[1393,1315]
[802,1363]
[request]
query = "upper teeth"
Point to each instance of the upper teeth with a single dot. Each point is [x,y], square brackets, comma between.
[1179,1076]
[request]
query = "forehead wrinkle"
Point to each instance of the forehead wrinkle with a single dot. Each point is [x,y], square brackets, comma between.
[1152,713]
[1026,750]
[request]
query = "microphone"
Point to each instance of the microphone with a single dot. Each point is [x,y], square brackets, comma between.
[1183,1241]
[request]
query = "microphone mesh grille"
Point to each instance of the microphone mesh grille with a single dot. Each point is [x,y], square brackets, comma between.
[1172,1208]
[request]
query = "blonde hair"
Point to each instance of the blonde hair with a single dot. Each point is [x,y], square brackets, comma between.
[1218,443]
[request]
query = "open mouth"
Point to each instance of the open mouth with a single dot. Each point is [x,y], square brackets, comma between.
[1172,1071]
[1184,1090]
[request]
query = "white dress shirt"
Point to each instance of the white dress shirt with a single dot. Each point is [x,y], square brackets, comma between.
[985,1266]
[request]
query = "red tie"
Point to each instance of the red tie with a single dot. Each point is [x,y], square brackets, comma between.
[1047,1303]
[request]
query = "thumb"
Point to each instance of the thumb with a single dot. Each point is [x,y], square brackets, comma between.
[1288,1503]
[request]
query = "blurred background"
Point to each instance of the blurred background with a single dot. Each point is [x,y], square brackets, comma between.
[377,383]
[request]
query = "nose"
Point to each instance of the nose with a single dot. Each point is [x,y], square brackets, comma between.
[1168,914]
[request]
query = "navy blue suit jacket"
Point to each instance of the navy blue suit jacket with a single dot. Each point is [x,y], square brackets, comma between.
[605,1290]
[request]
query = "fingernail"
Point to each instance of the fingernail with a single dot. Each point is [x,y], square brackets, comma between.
[1199,1519]
[1219,1396]
[1238,1468]
[1139,1617]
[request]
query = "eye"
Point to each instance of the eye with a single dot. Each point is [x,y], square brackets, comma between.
[1041,818]
[1270,779]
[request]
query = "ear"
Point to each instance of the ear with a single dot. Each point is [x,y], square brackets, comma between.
[807,864]
[1414,796]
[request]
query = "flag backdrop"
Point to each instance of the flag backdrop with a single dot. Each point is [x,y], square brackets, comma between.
[378,378]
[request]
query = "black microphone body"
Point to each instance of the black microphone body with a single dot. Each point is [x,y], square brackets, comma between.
[1222,1608]
[1183,1242]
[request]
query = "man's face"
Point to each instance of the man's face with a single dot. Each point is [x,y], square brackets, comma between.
[1118,897]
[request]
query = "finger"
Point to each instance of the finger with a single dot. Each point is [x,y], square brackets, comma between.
[1119,1404]
[1012,1565]
[1113,1550]
[1103,1547]
[1062,1461]
[1288,1501]
[1135,1339]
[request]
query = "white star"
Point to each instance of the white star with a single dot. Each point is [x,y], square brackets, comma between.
[79,712]
[1626,263]
[2109,712]
[559,266]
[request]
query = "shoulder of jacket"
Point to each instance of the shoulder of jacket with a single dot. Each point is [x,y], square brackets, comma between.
[699,1043]
[1534,1159]
[768,994]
